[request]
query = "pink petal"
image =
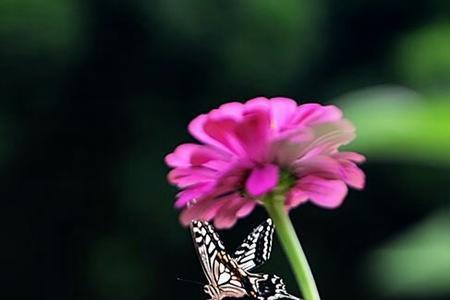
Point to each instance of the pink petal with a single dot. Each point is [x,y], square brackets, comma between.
[181,156]
[352,175]
[320,165]
[222,131]
[295,197]
[186,155]
[196,129]
[183,177]
[323,192]
[246,208]
[227,216]
[257,103]
[313,113]
[217,165]
[352,156]
[253,134]
[282,110]
[289,146]
[234,174]
[230,110]
[262,180]
[328,138]
[192,193]
[205,209]
[323,138]
[226,115]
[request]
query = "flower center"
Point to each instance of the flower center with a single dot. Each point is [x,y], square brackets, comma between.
[286,182]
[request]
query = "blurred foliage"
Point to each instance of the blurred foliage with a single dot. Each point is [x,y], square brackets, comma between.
[416,264]
[93,94]
[252,43]
[423,57]
[395,123]
[31,29]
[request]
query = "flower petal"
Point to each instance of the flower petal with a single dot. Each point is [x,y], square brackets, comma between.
[191,193]
[253,134]
[352,156]
[257,103]
[184,177]
[214,128]
[222,131]
[204,209]
[186,155]
[328,137]
[282,110]
[320,165]
[262,180]
[324,138]
[295,197]
[314,113]
[227,216]
[196,129]
[323,192]
[228,110]
[288,146]
[352,175]
[246,208]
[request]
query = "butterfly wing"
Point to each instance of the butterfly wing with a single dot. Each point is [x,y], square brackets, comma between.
[221,270]
[256,248]
[207,245]
[271,287]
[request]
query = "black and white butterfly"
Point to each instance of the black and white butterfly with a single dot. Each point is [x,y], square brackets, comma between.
[229,275]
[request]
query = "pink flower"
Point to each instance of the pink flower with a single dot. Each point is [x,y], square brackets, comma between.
[249,149]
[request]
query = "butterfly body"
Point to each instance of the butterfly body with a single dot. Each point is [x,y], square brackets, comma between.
[230,276]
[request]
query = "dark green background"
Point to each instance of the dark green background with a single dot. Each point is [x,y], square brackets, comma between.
[94,93]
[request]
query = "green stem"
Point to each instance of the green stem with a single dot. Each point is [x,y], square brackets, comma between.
[291,245]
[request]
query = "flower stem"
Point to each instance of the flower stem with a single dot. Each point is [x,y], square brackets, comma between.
[291,245]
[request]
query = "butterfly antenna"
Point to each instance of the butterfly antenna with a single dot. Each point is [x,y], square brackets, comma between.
[190,281]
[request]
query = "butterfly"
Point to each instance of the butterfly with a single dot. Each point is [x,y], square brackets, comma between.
[229,275]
